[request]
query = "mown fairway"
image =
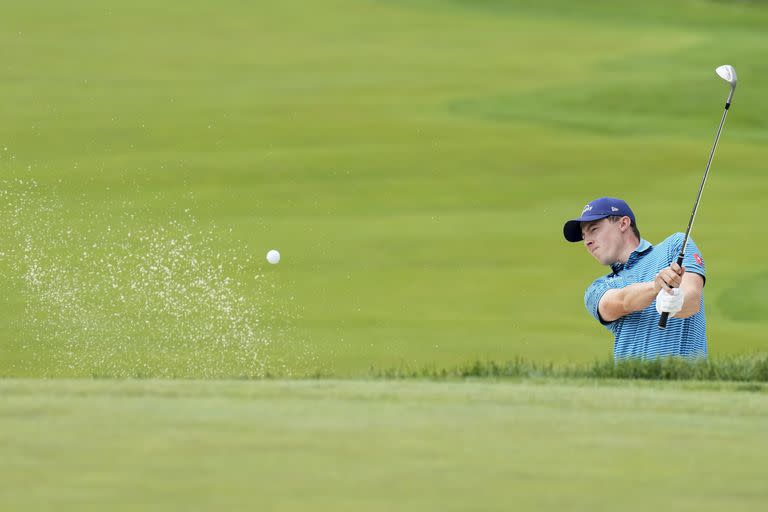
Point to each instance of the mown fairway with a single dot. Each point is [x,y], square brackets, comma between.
[362,445]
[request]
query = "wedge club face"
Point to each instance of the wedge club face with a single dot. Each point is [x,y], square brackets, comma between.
[728,73]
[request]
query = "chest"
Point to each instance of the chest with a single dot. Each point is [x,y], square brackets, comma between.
[643,268]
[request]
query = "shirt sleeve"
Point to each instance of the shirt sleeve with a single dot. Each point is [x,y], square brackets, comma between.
[693,260]
[595,292]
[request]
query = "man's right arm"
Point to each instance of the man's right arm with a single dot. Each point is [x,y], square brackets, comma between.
[618,302]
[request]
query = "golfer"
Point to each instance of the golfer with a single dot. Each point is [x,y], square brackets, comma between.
[642,284]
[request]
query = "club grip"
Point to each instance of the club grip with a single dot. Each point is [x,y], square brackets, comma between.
[665,316]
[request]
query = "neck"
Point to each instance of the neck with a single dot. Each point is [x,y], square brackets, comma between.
[630,245]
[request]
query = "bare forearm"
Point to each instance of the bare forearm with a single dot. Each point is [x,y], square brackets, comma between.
[637,297]
[622,301]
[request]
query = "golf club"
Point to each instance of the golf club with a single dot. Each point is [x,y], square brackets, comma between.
[727,73]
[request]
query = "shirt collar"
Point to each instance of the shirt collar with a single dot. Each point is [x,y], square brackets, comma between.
[644,246]
[641,249]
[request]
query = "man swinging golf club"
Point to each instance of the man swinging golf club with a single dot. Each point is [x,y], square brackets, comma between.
[642,275]
[642,284]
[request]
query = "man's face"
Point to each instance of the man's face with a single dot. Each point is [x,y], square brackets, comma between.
[603,239]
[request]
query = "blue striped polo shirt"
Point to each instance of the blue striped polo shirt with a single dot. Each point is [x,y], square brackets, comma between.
[638,334]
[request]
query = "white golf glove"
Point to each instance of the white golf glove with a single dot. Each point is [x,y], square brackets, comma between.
[671,303]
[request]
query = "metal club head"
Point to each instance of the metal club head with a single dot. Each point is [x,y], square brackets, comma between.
[728,73]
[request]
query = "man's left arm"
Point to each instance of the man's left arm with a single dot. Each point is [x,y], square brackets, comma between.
[693,281]
[692,286]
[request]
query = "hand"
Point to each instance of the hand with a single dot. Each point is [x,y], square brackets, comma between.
[670,301]
[669,278]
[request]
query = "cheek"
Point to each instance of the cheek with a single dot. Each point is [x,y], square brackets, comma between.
[606,238]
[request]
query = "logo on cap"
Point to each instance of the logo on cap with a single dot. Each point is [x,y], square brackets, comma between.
[614,209]
[586,208]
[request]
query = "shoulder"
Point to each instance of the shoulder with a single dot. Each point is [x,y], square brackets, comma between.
[674,239]
[595,289]
[672,244]
[602,284]
[601,281]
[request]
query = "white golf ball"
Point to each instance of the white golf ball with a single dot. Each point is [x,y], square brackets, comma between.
[273,257]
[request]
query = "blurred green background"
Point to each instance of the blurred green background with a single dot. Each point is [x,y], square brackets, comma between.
[413,161]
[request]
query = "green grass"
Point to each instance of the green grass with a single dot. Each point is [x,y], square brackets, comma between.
[412,160]
[376,445]
[750,369]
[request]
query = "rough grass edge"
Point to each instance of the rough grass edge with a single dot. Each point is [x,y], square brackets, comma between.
[753,368]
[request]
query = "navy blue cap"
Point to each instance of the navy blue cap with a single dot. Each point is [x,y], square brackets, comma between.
[596,210]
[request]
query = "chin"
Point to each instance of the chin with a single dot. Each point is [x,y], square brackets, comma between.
[603,261]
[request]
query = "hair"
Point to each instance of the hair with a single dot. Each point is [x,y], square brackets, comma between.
[617,218]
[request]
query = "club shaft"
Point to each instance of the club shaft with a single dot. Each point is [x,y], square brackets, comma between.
[704,180]
[665,316]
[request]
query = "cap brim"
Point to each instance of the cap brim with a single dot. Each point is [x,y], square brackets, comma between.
[572,228]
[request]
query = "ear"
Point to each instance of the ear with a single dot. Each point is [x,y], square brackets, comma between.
[625,224]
